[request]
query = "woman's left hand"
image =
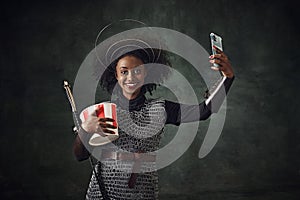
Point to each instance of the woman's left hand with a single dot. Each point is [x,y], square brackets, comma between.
[222,60]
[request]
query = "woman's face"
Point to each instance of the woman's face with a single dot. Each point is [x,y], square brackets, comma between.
[131,75]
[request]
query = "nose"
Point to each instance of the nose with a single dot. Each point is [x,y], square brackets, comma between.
[130,75]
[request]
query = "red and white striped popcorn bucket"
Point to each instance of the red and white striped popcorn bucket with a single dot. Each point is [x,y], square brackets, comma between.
[105,110]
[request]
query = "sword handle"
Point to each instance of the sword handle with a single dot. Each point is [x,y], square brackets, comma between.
[73,105]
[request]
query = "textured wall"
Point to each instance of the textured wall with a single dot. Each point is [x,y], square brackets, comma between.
[257,154]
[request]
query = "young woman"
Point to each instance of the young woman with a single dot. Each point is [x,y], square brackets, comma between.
[140,125]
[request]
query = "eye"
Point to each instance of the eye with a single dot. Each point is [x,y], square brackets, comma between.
[125,72]
[137,71]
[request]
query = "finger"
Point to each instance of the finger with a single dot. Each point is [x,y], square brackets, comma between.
[221,56]
[220,68]
[215,68]
[104,125]
[99,130]
[216,56]
[220,62]
[108,131]
[217,61]
[106,120]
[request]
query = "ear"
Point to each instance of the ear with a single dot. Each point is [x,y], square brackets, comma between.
[116,75]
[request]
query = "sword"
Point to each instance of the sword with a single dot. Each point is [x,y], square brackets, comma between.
[77,128]
[73,106]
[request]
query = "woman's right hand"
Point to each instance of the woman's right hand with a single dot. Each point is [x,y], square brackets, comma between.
[93,124]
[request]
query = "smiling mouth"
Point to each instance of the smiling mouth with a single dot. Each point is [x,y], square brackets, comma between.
[131,84]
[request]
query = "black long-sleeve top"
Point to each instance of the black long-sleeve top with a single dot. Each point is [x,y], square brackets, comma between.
[181,113]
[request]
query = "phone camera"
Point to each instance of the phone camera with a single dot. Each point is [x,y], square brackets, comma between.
[214,38]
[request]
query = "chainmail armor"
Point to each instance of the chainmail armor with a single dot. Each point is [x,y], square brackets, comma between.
[139,131]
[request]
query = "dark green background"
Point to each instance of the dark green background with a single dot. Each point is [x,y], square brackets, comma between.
[257,156]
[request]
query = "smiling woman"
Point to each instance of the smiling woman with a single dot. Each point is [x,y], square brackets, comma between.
[128,168]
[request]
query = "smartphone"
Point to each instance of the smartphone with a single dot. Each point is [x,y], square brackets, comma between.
[215,40]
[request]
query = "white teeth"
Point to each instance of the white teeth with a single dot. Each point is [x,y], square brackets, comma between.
[131,84]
